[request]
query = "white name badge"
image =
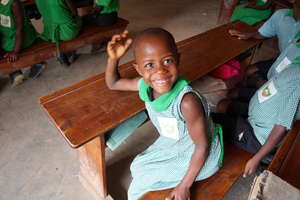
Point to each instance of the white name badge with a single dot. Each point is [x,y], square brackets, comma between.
[266,92]
[168,127]
[4,2]
[283,65]
[5,21]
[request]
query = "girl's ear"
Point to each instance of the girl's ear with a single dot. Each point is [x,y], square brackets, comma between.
[135,65]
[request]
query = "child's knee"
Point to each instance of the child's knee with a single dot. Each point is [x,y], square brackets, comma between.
[251,70]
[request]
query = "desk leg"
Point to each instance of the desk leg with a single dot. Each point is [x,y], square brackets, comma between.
[92,167]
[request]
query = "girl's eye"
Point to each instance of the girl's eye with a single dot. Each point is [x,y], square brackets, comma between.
[149,65]
[168,60]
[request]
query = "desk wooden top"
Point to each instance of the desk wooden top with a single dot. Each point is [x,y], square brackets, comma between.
[87,109]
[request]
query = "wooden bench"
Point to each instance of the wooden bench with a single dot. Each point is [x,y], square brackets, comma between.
[215,187]
[42,50]
[286,162]
[86,110]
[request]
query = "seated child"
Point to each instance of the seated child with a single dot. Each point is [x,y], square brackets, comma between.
[259,127]
[104,13]
[16,33]
[284,24]
[289,57]
[252,12]
[61,22]
[190,146]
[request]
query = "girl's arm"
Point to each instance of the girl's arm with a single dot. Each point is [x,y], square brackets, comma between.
[276,136]
[18,17]
[244,35]
[116,48]
[193,112]
[72,8]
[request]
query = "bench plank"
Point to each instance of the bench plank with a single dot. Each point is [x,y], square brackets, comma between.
[42,50]
[88,109]
[215,187]
[286,162]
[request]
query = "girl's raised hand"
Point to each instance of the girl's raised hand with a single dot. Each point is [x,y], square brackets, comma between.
[118,45]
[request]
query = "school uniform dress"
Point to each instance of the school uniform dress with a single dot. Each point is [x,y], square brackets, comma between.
[164,164]
[276,102]
[8,28]
[249,15]
[289,57]
[283,25]
[58,21]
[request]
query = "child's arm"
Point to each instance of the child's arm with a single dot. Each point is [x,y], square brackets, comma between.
[18,17]
[193,112]
[245,36]
[72,8]
[277,134]
[116,48]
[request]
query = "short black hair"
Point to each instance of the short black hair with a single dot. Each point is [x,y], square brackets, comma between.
[157,31]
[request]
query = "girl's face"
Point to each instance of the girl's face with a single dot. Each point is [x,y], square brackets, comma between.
[157,62]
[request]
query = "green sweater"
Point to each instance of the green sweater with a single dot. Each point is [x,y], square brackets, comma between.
[109,6]
[58,21]
[8,28]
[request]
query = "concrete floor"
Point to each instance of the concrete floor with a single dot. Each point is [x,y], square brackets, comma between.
[36,163]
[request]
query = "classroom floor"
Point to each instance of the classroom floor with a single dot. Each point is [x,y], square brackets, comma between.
[36,163]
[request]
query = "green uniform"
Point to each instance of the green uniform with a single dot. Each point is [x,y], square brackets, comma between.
[8,28]
[249,15]
[58,21]
[109,6]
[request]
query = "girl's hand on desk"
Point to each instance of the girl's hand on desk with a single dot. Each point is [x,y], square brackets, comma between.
[118,45]
[11,56]
[179,193]
[240,35]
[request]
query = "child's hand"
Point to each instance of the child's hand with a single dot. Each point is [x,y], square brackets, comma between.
[251,167]
[118,45]
[179,193]
[11,56]
[240,35]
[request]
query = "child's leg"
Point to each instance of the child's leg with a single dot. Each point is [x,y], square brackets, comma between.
[257,72]
[237,131]
[36,70]
[16,78]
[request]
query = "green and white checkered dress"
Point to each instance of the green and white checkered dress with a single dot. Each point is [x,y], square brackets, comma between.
[164,164]
[286,59]
[276,102]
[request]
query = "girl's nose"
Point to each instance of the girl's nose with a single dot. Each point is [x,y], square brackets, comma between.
[161,68]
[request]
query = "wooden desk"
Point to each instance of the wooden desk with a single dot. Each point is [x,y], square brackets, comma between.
[84,111]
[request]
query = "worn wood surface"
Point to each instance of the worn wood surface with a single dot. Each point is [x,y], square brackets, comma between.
[88,109]
[42,50]
[91,158]
[215,187]
[286,162]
